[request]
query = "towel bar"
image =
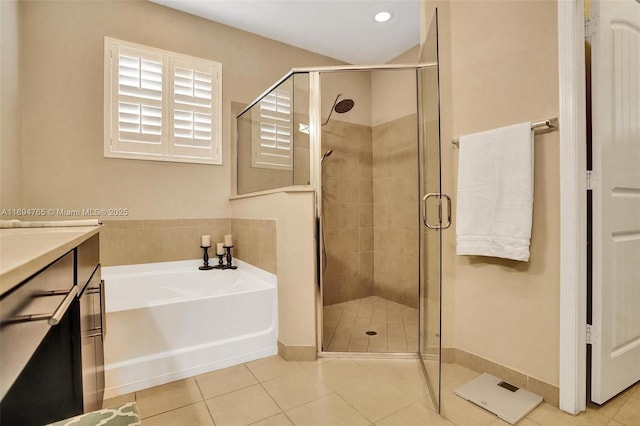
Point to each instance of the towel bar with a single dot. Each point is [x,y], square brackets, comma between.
[545,126]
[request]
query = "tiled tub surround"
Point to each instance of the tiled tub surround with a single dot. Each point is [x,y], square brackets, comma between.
[128,242]
[255,242]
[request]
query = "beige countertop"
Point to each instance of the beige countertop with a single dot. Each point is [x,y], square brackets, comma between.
[25,251]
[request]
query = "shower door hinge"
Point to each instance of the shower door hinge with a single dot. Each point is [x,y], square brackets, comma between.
[590,26]
[591,334]
[592,180]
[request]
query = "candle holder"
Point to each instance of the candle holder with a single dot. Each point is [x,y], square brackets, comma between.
[229,259]
[205,259]
[220,264]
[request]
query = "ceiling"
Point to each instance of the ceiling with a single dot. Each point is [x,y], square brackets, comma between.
[341,29]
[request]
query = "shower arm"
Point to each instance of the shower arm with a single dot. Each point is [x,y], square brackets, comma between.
[332,108]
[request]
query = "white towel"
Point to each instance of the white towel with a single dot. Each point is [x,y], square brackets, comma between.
[495,193]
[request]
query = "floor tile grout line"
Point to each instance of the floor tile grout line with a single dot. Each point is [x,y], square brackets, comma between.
[259,383]
[282,410]
[333,335]
[203,398]
[270,417]
[400,409]
[175,408]
[179,408]
[246,365]
[333,392]
[231,391]
[351,406]
[210,413]
[272,399]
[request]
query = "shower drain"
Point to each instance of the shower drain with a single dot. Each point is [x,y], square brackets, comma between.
[371,333]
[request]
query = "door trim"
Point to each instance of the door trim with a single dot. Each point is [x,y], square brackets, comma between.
[573,190]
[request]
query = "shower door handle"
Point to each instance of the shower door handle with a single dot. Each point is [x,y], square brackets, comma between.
[440,224]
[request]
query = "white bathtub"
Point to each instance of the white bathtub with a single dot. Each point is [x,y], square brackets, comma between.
[167,321]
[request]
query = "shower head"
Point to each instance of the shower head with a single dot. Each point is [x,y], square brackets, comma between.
[341,107]
[326,154]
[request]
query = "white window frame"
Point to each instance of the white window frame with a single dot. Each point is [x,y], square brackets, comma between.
[274,118]
[196,94]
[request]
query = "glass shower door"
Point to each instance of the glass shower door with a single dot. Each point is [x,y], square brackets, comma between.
[435,215]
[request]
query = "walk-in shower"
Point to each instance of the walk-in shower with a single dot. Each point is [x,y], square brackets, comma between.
[371,165]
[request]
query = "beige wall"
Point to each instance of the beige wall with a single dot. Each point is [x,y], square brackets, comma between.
[10,135]
[393,95]
[62,80]
[499,67]
[352,85]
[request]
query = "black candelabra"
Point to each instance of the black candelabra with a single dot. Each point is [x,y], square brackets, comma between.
[205,259]
[229,264]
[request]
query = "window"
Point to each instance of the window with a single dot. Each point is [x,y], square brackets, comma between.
[273,135]
[161,105]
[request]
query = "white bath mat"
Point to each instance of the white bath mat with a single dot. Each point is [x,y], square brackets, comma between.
[505,400]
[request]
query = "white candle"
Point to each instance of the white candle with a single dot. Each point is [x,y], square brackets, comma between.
[228,241]
[206,241]
[219,248]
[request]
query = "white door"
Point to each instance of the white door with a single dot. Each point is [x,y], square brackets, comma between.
[616,197]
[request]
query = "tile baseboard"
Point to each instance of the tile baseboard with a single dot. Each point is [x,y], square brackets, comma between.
[297,353]
[549,392]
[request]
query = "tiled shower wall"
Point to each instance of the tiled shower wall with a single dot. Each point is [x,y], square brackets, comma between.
[396,210]
[348,212]
[370,209]
[126,242]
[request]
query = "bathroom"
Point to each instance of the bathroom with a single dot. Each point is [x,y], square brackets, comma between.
[493,55]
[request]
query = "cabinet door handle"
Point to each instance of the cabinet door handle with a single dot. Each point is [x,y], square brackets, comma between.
[62,308]
[103,312]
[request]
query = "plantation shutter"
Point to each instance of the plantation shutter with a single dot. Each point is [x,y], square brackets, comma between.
[161,105]
[137,94]
[195,87]
[274,147]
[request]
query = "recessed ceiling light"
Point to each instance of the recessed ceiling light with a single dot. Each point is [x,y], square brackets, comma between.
[382,16]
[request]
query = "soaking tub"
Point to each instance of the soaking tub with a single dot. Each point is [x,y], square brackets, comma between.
[167,321]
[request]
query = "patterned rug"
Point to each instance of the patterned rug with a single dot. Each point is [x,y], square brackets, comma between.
[123,415]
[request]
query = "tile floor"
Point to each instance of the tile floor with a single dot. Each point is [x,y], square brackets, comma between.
[346,324]
[342,392]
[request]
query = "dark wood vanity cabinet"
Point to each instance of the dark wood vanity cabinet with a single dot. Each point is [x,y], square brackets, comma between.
[51,358]
[38,358]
